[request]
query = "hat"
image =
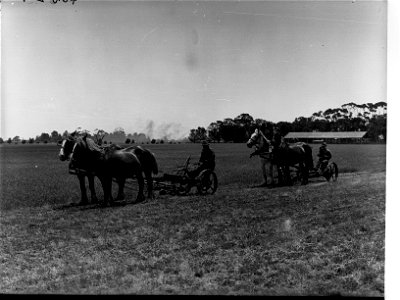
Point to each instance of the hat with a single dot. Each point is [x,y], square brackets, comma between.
[323,144]
[204,143]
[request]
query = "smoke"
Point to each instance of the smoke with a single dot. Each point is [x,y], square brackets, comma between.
[165,131]
[149,129]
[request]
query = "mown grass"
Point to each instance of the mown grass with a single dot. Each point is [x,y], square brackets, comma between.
[318,239]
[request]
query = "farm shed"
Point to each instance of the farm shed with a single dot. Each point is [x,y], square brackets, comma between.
[329,137]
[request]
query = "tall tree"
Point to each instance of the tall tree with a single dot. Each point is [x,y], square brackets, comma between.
[302,124]
[44,137]
[214,131]
[228,130]
[118,135]
[65,134]
[284,127]
[197,135]
[55,136]
[376,129]
[246,121]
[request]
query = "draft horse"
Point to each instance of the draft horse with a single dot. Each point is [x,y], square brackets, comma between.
[267,161]
[107,163]
[299,156]
[67,147]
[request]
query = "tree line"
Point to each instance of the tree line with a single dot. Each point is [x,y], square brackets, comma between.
[101,136]
[239,129]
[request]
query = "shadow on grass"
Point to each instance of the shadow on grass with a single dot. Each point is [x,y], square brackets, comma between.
[90,206]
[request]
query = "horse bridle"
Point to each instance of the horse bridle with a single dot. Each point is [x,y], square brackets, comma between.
[74,170]
[62,151]
[262,134]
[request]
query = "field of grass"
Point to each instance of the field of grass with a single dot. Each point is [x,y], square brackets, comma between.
[32,175]
[319,239]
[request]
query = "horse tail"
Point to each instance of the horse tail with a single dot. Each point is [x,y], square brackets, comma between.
[336,171]
[146,158]
[309,158]
[154,165]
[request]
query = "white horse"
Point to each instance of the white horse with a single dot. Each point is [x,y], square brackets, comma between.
[263,149]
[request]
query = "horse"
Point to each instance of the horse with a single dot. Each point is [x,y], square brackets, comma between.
[110,162]
[262,145]
[147,161]
[64,154]
[292,155]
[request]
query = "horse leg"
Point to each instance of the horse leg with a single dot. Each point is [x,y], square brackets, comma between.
[93,196]
[264,172]
[304,173]
[149,180]
[84,198]
[280,175]
[121,185]
[106,182]
[140,197]
[271,174]
[288,178]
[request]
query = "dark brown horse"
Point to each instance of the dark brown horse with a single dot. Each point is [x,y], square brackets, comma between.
[298,155]
[107,163]
[64,154]
[115,154]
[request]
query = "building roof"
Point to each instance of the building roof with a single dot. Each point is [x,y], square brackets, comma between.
[326,135]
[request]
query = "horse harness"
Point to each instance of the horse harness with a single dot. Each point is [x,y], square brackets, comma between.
[103,153]
[266,154]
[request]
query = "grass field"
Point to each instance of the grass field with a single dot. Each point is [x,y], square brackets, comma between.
[319,239]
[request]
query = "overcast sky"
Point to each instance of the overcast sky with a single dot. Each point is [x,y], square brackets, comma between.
[108,64]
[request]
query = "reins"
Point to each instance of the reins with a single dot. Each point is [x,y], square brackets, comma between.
[262,134]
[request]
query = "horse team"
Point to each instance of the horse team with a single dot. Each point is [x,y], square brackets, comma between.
[282,157]
[88,159]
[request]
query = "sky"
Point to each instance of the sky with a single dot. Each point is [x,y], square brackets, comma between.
[173,66]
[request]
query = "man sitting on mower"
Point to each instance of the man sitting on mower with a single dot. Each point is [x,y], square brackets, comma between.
[206,161]
[323,160]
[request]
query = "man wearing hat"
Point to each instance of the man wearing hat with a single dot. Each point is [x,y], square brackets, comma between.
[206,161]
[324,157]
